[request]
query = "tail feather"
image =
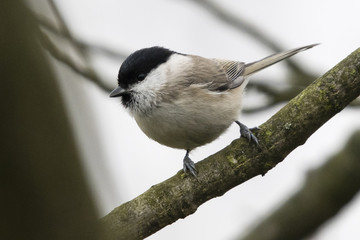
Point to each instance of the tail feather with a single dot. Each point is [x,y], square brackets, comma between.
[253,67]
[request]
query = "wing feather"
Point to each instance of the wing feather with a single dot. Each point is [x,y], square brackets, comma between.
[234,72]
[215,74]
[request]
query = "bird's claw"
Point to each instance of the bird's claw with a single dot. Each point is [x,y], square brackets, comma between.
[189,165]
[247,133]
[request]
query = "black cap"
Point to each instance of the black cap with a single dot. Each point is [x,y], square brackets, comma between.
[140,63]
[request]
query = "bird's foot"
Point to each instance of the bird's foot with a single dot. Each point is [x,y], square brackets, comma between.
[189,165]
[246,132]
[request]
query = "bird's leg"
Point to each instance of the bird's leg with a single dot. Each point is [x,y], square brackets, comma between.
[246,132]
[189,165]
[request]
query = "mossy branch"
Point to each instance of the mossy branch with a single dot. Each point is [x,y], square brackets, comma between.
[325,192]
[181,195]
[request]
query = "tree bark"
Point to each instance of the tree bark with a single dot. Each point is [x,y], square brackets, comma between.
[326,190]
[289,128]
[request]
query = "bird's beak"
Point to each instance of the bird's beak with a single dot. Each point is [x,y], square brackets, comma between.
[117,92]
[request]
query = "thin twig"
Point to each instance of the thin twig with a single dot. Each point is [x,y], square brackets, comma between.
[244,26]
[99,49]
[88,71]
[68,61]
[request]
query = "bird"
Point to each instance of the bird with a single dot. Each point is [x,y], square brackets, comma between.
[185,101]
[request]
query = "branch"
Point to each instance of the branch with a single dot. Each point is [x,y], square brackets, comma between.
[81,45]
[244,26]
[289,128]
[277,95]
[274,93]
[238,23]
[85,71]
[326,190]
[88,71]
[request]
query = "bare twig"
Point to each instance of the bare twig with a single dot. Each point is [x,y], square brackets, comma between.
[244,26]
[88,71]
[84,46]
[61,20]
[59,54]
[273,93]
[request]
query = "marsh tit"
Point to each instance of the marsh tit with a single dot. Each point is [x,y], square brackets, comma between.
[185,101]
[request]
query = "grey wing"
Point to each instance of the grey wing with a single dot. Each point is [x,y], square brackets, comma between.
[234,72]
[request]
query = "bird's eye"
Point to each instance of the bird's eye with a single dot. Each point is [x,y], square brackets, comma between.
[141,77]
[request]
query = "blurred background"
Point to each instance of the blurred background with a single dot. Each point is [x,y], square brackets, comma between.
[87,40]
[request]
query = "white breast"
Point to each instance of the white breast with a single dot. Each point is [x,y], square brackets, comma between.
[192,117]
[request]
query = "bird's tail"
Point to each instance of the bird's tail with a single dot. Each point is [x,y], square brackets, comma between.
[253,67]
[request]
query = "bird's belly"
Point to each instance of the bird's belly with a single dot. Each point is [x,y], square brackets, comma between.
[178,127]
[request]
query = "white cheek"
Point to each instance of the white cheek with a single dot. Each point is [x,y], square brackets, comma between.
[165,72]
[148,91]
[153,81]
[178,64]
